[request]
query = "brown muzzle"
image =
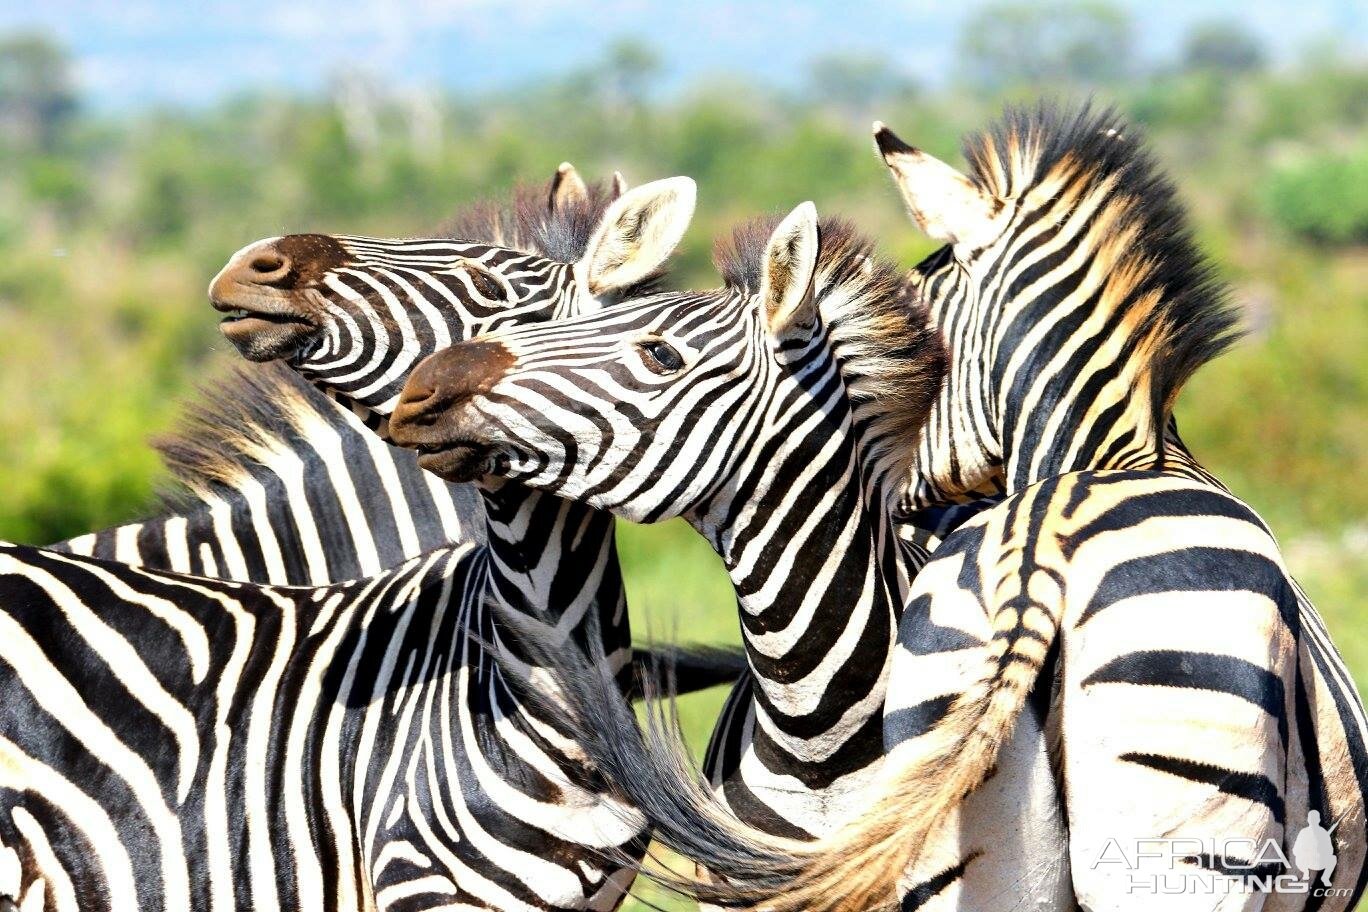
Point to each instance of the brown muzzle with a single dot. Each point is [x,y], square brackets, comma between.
[432,415]
[261,290]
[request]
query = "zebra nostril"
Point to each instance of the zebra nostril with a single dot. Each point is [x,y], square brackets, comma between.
[414,398]
[263,264]
[266,266]
[269,262]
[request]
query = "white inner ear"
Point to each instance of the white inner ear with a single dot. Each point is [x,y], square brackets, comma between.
[943,202]
[789,270]
[637,234]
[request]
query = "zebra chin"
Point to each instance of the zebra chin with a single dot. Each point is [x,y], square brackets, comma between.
[458,462]
[261,340]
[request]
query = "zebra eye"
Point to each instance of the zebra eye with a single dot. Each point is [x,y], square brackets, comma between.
[660,356]
[485,284]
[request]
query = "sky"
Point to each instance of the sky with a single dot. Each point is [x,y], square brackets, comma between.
[132,53]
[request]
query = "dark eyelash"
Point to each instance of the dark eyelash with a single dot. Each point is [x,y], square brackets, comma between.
[485,284]
[666,359]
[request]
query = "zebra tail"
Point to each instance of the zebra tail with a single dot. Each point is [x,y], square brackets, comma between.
[650,770]
[694,668]
[856,868]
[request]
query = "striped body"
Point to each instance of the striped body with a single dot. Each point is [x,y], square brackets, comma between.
[176,743]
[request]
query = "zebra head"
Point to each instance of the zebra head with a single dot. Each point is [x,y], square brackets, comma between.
[1069,293]
[679,403]
[355,314]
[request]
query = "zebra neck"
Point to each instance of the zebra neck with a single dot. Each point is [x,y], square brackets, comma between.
[818,581]
[554,562]
[1096,416]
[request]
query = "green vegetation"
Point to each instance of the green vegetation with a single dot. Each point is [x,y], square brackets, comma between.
[110,228]
[1322,196]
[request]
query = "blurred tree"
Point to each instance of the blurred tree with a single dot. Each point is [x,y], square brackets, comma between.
[58,183]
[1322,197]
[36,94]
[856,82]
[1091,42]
[328,165]
[1222,46]
[629,71]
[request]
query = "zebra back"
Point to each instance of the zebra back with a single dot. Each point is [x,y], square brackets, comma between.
[275,483]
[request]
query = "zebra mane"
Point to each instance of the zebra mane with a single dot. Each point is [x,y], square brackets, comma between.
[1161,283]
[891,359]
[526,221]
[251,417]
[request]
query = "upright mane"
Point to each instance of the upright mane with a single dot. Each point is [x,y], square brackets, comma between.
[1160,282]
[235,425]
[526,221]
[891,359]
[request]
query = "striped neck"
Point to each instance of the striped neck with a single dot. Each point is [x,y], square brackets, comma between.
[1072,385]
[436,731]
[1050,374]
[819,580]
[553,561]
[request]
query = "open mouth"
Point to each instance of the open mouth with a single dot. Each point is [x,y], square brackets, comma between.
[454,460]
[245,318]
[264,335]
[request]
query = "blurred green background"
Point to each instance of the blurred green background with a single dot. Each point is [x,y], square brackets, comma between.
[113,218]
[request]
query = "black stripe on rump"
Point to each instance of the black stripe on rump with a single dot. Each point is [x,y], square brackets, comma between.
[925,891]
[914,721]
[1254,787]
[1199,671]
[1200,569]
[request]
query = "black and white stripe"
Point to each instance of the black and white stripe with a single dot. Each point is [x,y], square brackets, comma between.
[775,416]
[369,747]
[178,743]
[278,484]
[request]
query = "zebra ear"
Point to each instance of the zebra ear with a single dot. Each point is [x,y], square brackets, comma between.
[789,270]
[944,203]
[567,188]
[637,234]
[619,186]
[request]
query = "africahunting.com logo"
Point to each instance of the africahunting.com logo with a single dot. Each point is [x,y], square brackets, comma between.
[1166,867]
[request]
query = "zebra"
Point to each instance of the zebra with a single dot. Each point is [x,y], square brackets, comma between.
[777,416]
[1195,693]
[367,744]
[1200,697]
